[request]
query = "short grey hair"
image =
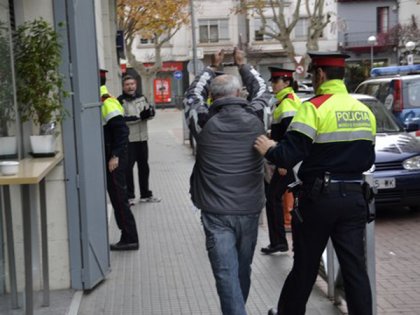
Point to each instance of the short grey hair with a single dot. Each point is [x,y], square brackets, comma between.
[224,85]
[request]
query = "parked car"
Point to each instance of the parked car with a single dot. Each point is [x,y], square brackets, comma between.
[398,88]
[396,170]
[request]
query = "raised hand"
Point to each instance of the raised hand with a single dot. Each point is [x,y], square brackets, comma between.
[217,58]
[238,56]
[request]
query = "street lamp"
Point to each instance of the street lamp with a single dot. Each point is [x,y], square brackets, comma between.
[410,47]
[372,42]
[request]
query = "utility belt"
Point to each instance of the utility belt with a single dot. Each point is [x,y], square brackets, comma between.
[333,183]
[330,183]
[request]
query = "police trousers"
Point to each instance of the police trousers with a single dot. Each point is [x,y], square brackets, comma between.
[274,206]
[338,214]
[117,191]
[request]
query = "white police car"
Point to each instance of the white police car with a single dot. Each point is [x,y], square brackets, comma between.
[398,88]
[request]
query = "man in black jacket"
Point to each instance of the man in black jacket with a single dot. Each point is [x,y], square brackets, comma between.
[116,140]
[227,179]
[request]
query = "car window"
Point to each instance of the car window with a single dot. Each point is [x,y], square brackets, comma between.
[385,122]
[413,93]
[371,88]
[384,89]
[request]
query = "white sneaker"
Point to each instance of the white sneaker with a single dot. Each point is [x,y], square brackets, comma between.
[132,201]
[150,199]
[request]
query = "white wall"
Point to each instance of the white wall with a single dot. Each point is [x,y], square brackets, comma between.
[100,35]
[407,8]
[106,36]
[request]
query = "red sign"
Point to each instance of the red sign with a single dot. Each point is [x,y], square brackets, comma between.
[299,69]
[123,68]
[168,66]
[162,90]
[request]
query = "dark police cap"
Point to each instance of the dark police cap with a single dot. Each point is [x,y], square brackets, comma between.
[280,73]
[327,59]
[102,73]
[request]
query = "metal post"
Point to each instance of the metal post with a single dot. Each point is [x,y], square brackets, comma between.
[10,246]
[330,270]
[194,42]
[371,56]
[372,41]
[370,248]
[44,243]
[27,249]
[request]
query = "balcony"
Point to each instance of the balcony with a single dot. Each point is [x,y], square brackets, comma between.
[358,42]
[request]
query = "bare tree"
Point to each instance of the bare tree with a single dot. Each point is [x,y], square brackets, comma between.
[275,23]
[403,33]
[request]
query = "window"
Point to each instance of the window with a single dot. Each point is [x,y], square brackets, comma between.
[382,19]
[213,31]
[271,27]
[413,91]
[146,41]
[301,28]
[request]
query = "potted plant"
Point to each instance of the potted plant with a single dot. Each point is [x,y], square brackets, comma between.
[8,146]
[40,89]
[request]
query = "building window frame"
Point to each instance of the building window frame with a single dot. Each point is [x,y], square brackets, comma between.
[301,28]
[382,20]
[213,30]
[146,41]
[258,35]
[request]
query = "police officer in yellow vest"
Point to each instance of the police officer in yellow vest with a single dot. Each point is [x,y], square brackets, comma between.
[116,141]
[334,135]
[285,107]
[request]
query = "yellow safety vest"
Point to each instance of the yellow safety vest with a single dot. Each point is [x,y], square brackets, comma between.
[288,105]
[110,108]
[334,116]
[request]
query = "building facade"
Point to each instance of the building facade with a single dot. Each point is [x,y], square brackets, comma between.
[217,26]
[359,20]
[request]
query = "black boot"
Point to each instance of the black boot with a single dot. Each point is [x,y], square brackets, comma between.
[124,246]
[274,249]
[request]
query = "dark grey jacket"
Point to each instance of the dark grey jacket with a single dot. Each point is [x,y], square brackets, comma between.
[228,174]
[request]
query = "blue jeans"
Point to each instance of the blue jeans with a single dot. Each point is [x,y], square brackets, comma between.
[230,243]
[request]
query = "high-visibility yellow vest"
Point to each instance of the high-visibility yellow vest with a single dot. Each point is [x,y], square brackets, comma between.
[110,108]
[334,116]
[289,104]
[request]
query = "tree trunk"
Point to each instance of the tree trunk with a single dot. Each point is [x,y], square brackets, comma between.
[147,87]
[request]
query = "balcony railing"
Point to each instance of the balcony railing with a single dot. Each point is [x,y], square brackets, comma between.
[359,40]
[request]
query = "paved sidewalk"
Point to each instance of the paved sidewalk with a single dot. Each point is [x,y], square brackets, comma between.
[170,274]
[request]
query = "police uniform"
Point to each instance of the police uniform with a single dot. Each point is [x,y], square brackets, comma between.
[116,140]
[333,134]
[284,109]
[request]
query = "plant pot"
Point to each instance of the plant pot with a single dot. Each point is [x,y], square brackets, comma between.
[43,144]
[8,146]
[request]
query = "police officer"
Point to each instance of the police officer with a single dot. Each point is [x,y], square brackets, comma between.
[334,135]
[285,107]
[116,140]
